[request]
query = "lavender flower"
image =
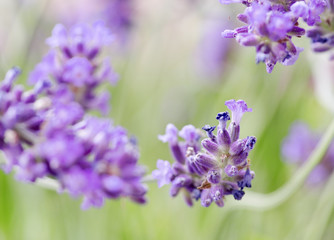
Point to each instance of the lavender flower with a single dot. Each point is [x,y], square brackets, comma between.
[71,66]
[271,26]
[47,132]
[119,15]
[212,53]
[298,146]
[219,168]
[322,34]
[19,118]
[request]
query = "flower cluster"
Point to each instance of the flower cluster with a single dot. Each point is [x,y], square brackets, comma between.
[119,14]
[71,68]
[271,26]
[47,132]
[213,51]
[298,146]
[220,167]
[322,34]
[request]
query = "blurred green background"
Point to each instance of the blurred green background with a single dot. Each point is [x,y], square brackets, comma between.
[160,82]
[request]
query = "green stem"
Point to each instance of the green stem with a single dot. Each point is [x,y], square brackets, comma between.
[48,183]
[53,184]
[262,202]
[20,27]
[2,160]
[322,213]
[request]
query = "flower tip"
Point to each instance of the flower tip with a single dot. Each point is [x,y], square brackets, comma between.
[13,73]
[229,34]
[223,116]
[250,143]
[208,128]
[240,106]
[170,135]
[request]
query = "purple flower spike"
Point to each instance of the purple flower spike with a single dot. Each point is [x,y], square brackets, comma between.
[72,65]
[46,132]
[220,168]
[271,27]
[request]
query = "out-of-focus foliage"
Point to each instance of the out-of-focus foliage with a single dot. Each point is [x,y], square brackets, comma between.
[160,83]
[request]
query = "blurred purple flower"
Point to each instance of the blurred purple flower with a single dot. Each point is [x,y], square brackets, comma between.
[271,26]
[322,34]
[213,50]
[72,63]
[117,14]
[298,146]
[47,132]
[120,17]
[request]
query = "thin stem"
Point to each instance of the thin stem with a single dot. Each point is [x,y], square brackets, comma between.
[48,183]
[25,135]
[322,213]
[2,161]
[148,178]
[53,184]
[262,202]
